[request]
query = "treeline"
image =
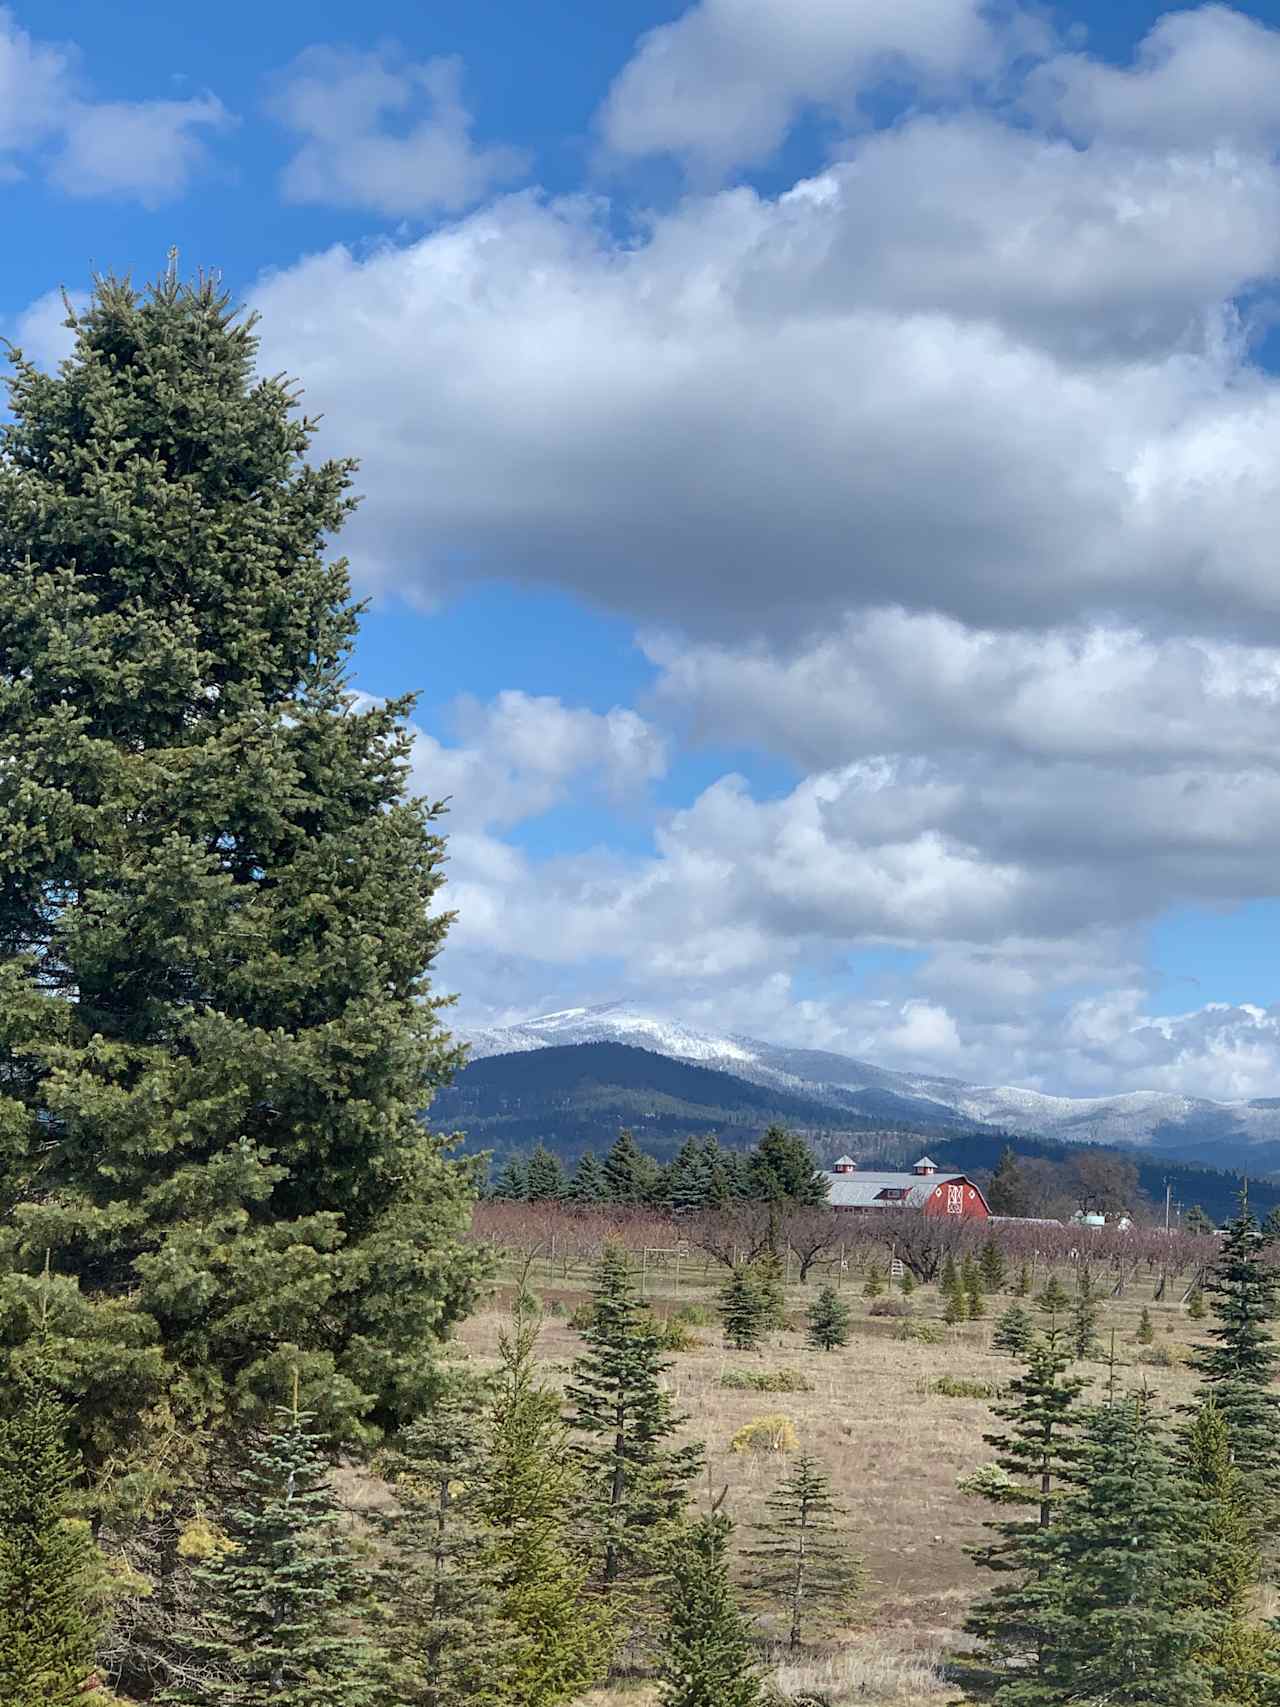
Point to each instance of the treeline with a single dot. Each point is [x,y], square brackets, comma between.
[705,1175]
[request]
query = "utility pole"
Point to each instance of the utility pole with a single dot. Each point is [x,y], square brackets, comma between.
[1168,1199]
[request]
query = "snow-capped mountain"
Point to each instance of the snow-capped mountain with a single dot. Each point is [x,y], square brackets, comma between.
[1223,1134]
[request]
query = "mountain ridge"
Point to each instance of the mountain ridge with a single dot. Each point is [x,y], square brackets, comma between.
[1231,1134]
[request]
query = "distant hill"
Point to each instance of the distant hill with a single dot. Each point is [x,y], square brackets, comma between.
[576,1097]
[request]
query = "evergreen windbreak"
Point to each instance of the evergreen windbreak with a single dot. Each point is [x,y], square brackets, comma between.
[216,907]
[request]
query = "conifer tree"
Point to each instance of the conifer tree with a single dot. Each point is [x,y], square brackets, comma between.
[563,1640]
[991,1266]
[1085,1310]
[1053,1300]
[828,1319]
[634,1482]
[782,1168]
[949,1275]
[1239,1366]
[975,1302]
[742,1311]
[1008,1193]
[544,1177]
[1014,1332]
[512,1182]
[1271,1226]
[589,1182]
[955,1306]
[706,1652]
[218,906]
[1146,1334]
[907,1282]
[1197,1222]
[630,1175]
[690,1181]
[279,1595]
[1242,1660]
[1039,1451]
[1129,1625]
[769,1276]
[47,1630]
[1022,1286]
[1197,1310]
[804,1566]
[445,1641]
[873,1280]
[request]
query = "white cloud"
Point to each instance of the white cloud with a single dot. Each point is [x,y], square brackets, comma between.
[144,150]
[35,85]
[41,331]
[364,144]
[149,150]
[1203,76]
[518,755]
[722,85]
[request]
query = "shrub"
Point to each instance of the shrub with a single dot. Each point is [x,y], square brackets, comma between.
[675,1336]
[923,1333]
[954,1387]
[694,1315]
[775,1433]
[766,1381]
[557,1308]
[890,1307]
[990,1480]
[1163,1356]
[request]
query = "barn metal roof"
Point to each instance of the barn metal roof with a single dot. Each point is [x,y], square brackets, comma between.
[862,1191]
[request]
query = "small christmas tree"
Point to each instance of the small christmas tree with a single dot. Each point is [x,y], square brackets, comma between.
[1014,1332]
[438,1615]
[742,1311]
[1146,1331]
[770,1282]
[949,1276]
[707,1657]
[634,1481]
[563,1639]
[1022,1286]
[1196,1307]
[804,1565]
[1084,1320]
[280,1595]
[991,1266]
[47,1631]
[828,1319]
[907,1282]
[975,1302]
[955,1307]
[1053,1299]
[873,1281]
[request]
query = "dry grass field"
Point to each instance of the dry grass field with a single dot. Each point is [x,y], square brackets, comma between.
[894,1447]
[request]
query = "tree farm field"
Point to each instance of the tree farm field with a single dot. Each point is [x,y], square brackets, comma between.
[876,1412]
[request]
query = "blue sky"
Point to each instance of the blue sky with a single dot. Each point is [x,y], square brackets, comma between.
[820,478]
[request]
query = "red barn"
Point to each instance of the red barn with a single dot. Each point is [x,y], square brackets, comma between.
[924,1188]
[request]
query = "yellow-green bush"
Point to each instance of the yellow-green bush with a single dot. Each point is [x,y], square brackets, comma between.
[766,1434]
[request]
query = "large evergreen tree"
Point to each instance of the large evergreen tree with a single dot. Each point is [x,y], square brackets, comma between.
[706,1652]
[804,1566]
[635,1480]
[1239,1366]
[1009,1192]
[47,1629]
[217,905]
[544,1180]
[782,1168]
[630,1176]
[1129,1621]
[440,1625]
[280,1592]
[562,1641]
[589,1182]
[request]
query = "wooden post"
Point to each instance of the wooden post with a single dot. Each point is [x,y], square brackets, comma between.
[644,1267]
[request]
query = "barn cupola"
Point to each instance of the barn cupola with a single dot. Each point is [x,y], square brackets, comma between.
[925,1167]
[845,1165]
